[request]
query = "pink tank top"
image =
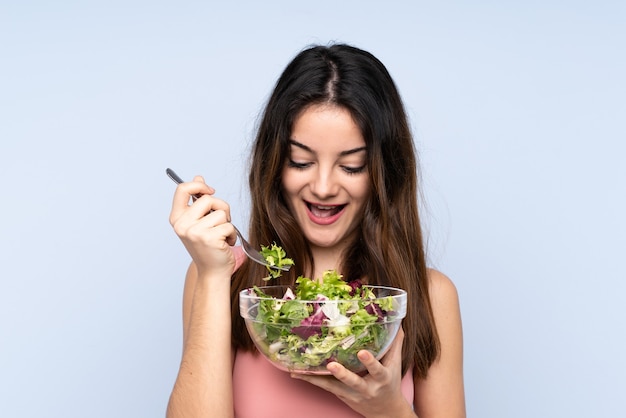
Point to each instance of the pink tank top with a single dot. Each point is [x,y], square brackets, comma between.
[262,391]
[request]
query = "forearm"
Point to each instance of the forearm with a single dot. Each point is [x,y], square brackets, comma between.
[203,386]
[397,409]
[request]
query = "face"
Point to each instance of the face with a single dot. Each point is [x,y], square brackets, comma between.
[325,179]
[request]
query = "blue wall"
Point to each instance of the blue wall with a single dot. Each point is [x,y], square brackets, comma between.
[518,110]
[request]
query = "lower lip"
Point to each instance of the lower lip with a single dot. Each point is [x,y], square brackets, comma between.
[327,220]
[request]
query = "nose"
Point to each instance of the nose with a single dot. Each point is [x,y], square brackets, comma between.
[324,183]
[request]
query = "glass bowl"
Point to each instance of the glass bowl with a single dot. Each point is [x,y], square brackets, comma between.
[303,336]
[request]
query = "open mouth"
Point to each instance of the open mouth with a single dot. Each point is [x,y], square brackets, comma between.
[324,211]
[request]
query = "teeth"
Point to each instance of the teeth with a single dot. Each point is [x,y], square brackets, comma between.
[324,211]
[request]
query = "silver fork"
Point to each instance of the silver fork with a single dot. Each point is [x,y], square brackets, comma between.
[248,249]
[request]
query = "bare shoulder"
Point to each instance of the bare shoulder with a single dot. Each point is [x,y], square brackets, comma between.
[442,290]
[442,392]
[444,301]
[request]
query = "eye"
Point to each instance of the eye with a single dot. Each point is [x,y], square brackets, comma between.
[354,170]
[298,165]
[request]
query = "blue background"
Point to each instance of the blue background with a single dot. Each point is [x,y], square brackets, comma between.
[519,114]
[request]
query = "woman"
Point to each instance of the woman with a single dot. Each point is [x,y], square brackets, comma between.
[333,181]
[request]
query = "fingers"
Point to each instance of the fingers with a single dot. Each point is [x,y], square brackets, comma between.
[375,371]
[200,179]
[373,366]
[369,392]
[344,375]
[320,381]
[378,370]
[191,188]
[197,187]
[195,224]
[204,225]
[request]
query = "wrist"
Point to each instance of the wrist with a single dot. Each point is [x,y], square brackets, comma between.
[215,280]
[400,409]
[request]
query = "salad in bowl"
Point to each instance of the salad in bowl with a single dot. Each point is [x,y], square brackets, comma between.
[301,330]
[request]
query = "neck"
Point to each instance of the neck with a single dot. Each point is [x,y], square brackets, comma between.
[326,259]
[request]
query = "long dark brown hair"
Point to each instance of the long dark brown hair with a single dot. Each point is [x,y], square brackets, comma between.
[389,248]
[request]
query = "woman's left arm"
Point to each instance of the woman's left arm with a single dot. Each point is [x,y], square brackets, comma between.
[442,394]
[378,393]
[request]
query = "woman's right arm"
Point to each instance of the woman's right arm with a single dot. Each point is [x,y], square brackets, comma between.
[203,386]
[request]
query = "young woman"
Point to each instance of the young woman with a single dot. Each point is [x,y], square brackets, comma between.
[333,181]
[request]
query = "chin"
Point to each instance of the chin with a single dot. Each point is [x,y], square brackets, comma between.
[327,241]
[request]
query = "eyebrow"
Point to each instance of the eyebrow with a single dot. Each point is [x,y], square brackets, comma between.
[342,153]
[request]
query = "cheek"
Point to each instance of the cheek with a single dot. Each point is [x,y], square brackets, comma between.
[291,183]
[361,190]
[288,184]
[285,178]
